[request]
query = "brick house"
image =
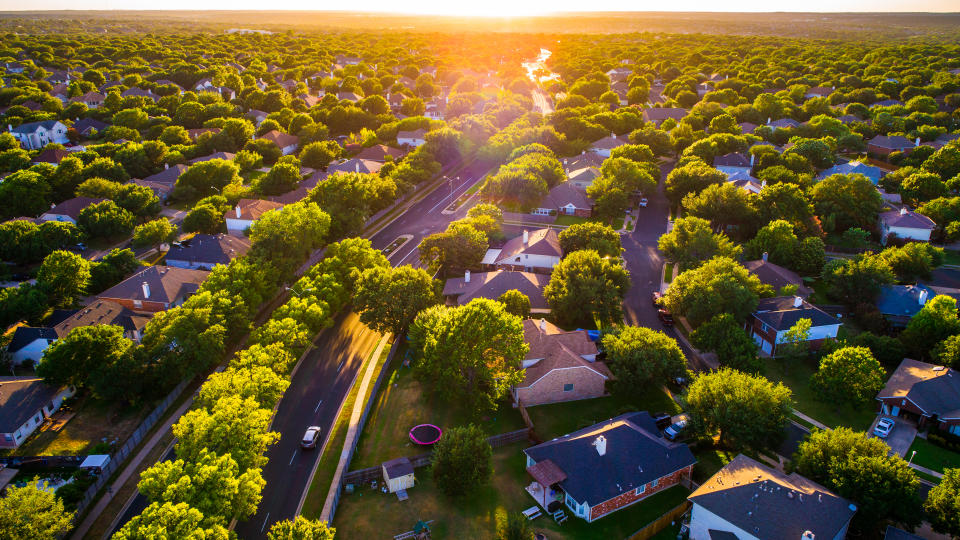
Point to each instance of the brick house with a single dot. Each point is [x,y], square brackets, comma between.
[925,393]
[285,142]
[560,366]
[538,251]
[769,323]
[155,288]
[566,198]
[882,145]
[750,501]
[606,467]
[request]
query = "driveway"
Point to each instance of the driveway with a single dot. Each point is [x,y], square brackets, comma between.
[902,435]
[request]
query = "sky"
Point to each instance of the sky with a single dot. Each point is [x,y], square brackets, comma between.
[497,7]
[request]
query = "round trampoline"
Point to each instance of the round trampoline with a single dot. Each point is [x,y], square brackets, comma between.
[425,434]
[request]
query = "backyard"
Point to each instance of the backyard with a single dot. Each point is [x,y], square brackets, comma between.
[796,376]
[403,402]
[932,456]
[559,419]
[369,514]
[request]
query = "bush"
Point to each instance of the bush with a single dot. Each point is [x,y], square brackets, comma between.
[944,439]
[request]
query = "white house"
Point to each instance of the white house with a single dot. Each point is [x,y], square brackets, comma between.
[242,216]
[906,224]
[538,251]
[411,138]
[69,210]
[36,135]
[25,402]
[583,177]
[769,323]
[749,501]
[734,163]
[606,144]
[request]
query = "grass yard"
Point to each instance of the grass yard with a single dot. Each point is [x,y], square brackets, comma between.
[617,223]
[819,295]
[566,220]
[951,256]
[709,461]
[559,419]
[403,402]
[668,272]
[932,456]
[94,422]
[796,375]
[370,514]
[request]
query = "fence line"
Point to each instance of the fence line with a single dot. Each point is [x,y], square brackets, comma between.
[661,522]
[118,458]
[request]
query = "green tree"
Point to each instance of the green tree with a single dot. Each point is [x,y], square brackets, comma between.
[24,193]
[461,461]
[64,276]
[258,382]
[471,353]
[458,248]
[515,302]
[281,178]
[692,241]
[862,469]
[921,187]
[850,374]
[810,257]
[747,411]
[204,218]
[319,154]
[778,241]
[301,528]
[640,356]
[287,236]
[169,521]
[97,357]
[33,513]
[846,200]
[795,345]
[733,347]
[389,299]
[206,178]
[913,261]
[584,286]
[233,425]
[691,178]
[153,233]
[591,235]
[105,219]
[721,285]
[857,280]
[515,527]
[936,321]
[722,204]
[943,504]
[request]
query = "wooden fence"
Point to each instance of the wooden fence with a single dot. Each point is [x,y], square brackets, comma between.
[661,523]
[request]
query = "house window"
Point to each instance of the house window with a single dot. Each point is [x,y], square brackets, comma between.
[640,490]
[7,437]
[137,304]
[764,327]
[568,387]
[655,483]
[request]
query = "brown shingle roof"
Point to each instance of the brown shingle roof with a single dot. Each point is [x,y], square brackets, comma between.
[540,242]
[380,152]
[281,139]
[251,209]
[542,336]
[167,284]
[493,284]
[777,276]
[934,389]
[73,207]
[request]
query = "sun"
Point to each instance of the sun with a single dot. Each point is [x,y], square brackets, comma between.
[487,8]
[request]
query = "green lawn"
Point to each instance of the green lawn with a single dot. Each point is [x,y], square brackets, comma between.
[572,220]
[796,375]
[370,514]
[819,295]
[668,272]
[951,256]
[559,419]
[403,402]
[932,456]
[617,223]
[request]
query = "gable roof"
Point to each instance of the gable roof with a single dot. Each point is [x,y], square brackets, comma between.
[251,209]
[21,398]
[907,219]
[895,142]
[209,248]
[31,127]
[566,193]
[167,176]
[398,467]
[783,123]
[903,300]
[416,134]
[492,284]
[25,335]
[608,143]
[770,504]
[86,124]
[542,337]
[216,155]
[73,207]
[777,276]
[893,533]
[50,155]
[934,389]
[102,312]
[636,454]
[734,159]
[586,159]
[854,167]
[379,152]
[167,284]
[585,174]
[281,139]
[659,114]
[781,314]
[356,165]
[540,242]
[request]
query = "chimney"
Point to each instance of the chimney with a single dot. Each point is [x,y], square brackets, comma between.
[769,119]
[600,443]
[752,157]
[903,211]
[238,211]
[614,135]
[807,535]
[924,294]
[917,142]
[765,256]
[166,165]
[357,166]
[466,277]
[797,301]
[526,237]
[146,289]
[543,325]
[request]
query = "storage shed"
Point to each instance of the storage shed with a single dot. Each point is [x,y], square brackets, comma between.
[398,474]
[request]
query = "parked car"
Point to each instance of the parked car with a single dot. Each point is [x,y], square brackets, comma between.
[665,317]
[657,297]
[644,202]
[310,438]
[883,428]
[662,420]
[675,430]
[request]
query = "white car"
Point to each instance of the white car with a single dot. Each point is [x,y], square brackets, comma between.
[644,202]
[884,427]
[309,439]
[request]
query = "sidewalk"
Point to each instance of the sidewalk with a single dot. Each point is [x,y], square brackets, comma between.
[810,420]
[130,469]
[352,430]
[926,470]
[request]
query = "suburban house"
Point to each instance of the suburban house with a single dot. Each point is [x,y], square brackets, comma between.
[69,210]
[155,288]
[355,165]
[606,144]
[747,127]
[50,155]
[899,303]
[256,116]
[818,91]
[883,145]
[460,291]
[746,182]
[583,177]
[658,114]
[924,393]
[783,123]
[228,156]
[285,142]
[91,99]
[607,466]
[560,366]
[769,323]
[777,276]
[89,126]
[566,198]
[411,138]
[379,153]
[36,135]
[204,251]
[747,500]
[242,216]
[29,342]
[734,163]
[538,251]
[25,402]
[854,167]
[905,224]
[164,181]
[585,159]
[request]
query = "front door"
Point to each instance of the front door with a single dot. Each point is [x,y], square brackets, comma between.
[895,411]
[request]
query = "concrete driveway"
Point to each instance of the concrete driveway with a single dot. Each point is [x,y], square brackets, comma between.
[902,435]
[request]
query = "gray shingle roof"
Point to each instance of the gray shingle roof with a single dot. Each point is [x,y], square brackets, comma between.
[21,398]
[771,505]
[25,335]
[167,284]
[934,389]
[894,533]
[493,284]
[780,313]
[566,193]
[636,454]
[209,249]
[908,219]
[31,127]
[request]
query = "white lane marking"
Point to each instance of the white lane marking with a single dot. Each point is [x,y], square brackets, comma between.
[265,522]
[293,457]
[341,365]
[317,408]
[407,255]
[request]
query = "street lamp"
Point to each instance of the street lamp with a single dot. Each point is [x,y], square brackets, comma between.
[911,457]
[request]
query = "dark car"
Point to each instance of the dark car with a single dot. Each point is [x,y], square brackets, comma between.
[665,317]
[662,420]
[657,297]
[310,438]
